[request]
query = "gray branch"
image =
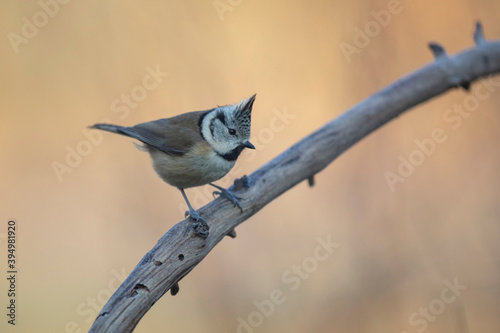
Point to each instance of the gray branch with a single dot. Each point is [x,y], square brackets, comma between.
[181,249]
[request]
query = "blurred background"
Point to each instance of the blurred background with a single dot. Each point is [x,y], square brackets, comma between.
[418,255]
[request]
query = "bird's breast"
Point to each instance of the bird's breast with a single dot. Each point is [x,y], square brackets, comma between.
[199,166]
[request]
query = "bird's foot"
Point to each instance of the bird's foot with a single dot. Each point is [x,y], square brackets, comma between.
[227,195]
[201,227]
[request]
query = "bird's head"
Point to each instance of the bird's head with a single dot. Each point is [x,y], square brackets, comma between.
[227,128]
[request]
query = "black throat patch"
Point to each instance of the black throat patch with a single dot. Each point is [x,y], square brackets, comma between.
[233,154]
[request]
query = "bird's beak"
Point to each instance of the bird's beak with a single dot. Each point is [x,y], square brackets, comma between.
[248,144]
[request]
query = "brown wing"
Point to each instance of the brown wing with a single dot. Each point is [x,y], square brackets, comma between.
[174,136]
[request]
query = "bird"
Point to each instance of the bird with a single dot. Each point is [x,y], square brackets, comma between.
[195,148]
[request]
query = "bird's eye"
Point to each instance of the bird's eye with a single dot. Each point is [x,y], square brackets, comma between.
[232,131]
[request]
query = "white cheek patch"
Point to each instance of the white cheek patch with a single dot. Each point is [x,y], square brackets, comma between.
[205,128]
[206,132]
[227,143]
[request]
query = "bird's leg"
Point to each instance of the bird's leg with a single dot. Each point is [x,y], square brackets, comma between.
[202,229]
[227,195]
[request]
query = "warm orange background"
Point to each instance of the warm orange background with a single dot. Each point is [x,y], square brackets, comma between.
[396,248]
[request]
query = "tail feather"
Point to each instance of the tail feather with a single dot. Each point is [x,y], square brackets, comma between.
[111,128]
[146,136]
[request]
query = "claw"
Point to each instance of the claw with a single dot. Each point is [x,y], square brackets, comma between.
[195,216]
[229,196]
[201,227]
